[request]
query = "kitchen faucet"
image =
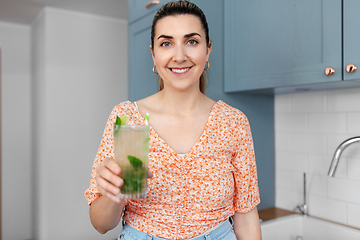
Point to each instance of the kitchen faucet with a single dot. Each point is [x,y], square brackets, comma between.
[303,208]
[339,150]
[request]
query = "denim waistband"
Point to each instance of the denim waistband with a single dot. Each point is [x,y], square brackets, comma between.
[220,230]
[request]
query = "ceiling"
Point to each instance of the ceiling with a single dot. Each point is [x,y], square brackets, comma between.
[25,11]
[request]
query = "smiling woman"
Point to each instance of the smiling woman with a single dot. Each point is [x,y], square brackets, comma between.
[204,177]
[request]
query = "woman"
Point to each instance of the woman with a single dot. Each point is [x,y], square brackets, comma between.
[201,151]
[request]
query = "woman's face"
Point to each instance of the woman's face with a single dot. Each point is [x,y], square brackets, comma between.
[180,51]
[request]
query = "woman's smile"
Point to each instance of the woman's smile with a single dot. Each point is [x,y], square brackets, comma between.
[180,70]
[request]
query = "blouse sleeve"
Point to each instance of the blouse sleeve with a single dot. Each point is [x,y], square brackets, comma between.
[105,150]
[246,195]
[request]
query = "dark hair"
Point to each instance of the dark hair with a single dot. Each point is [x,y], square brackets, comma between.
[181,8]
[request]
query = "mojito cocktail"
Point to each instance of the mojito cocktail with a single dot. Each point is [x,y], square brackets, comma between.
[131,147]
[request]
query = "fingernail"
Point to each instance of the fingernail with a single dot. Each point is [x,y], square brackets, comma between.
[119,182]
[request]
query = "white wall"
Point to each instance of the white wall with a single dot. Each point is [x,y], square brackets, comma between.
[60,79]
[15,133]
[308,129]
[80,75]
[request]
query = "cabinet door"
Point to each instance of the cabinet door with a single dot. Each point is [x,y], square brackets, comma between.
[351,48]
[142,8]
[142,81]
[281,43]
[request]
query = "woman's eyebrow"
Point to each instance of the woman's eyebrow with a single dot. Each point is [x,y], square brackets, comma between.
[186,35]
[165,36]
[191,35]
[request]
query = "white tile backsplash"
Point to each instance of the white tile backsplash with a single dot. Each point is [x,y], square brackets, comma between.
[326,208]
[354,215]
[316,185]
[286,122]
[282,104]
[353,166]
[294,162]
[308,102]
[327,123]
[308,129]
[308,143]
[320,164]
[353,123]
[346,100]
[344,190]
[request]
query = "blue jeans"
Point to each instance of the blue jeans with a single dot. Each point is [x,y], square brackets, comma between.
[225,232]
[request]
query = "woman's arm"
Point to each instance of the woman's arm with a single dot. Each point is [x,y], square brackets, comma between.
[106,211]
[105,214]
[247,225]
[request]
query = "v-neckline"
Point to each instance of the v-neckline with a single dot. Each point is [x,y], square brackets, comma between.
[198,141]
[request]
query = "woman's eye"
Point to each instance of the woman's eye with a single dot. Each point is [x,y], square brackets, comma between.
[165,44]
[192,42]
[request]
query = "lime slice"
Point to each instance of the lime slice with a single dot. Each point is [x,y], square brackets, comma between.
[120,121]
[124,119]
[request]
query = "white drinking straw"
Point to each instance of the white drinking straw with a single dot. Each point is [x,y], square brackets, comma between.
[147,119]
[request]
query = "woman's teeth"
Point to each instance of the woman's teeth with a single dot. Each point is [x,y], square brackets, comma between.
[176,70]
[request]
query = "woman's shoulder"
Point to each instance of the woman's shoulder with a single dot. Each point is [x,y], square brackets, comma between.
[128,108]
[124,105]
[228,111]
[122,108]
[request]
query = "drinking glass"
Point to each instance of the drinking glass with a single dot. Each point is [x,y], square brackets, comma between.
[131,148]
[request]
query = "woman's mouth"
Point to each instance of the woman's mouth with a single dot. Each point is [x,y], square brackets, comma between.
[179,70]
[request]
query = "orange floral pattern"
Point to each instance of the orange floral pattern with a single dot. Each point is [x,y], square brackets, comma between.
[190,194]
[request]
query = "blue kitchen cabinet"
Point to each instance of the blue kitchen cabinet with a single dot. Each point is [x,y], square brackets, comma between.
[282,43]
[138,9]
[259,108]
[351,36]
[142,81]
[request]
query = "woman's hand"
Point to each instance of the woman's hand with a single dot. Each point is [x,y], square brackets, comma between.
[108,180]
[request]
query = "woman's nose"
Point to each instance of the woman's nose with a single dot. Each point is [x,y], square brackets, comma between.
[179,54]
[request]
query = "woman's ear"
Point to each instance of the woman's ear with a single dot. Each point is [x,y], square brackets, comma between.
[152,54]
[152,51]
[209,48]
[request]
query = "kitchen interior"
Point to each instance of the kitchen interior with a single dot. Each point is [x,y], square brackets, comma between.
[65,64]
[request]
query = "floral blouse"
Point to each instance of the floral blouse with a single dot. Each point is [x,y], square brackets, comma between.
[190,194]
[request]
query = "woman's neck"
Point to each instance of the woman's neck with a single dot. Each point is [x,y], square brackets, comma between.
[181,102]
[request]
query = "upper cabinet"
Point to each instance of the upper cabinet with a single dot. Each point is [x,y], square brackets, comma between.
[142,81]
[140,8]
[289,43]
[351,36]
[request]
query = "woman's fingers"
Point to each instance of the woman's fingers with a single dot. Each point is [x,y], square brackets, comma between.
[112,165]
[107,179]
[108,189]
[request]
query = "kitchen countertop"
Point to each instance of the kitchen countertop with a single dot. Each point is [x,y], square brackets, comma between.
[273,213]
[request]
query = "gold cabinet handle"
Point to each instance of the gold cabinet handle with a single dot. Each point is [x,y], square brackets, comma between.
[350,68]
[329,71]
[148,5]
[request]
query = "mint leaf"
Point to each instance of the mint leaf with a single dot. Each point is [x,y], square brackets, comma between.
[117,124]
[134,161]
